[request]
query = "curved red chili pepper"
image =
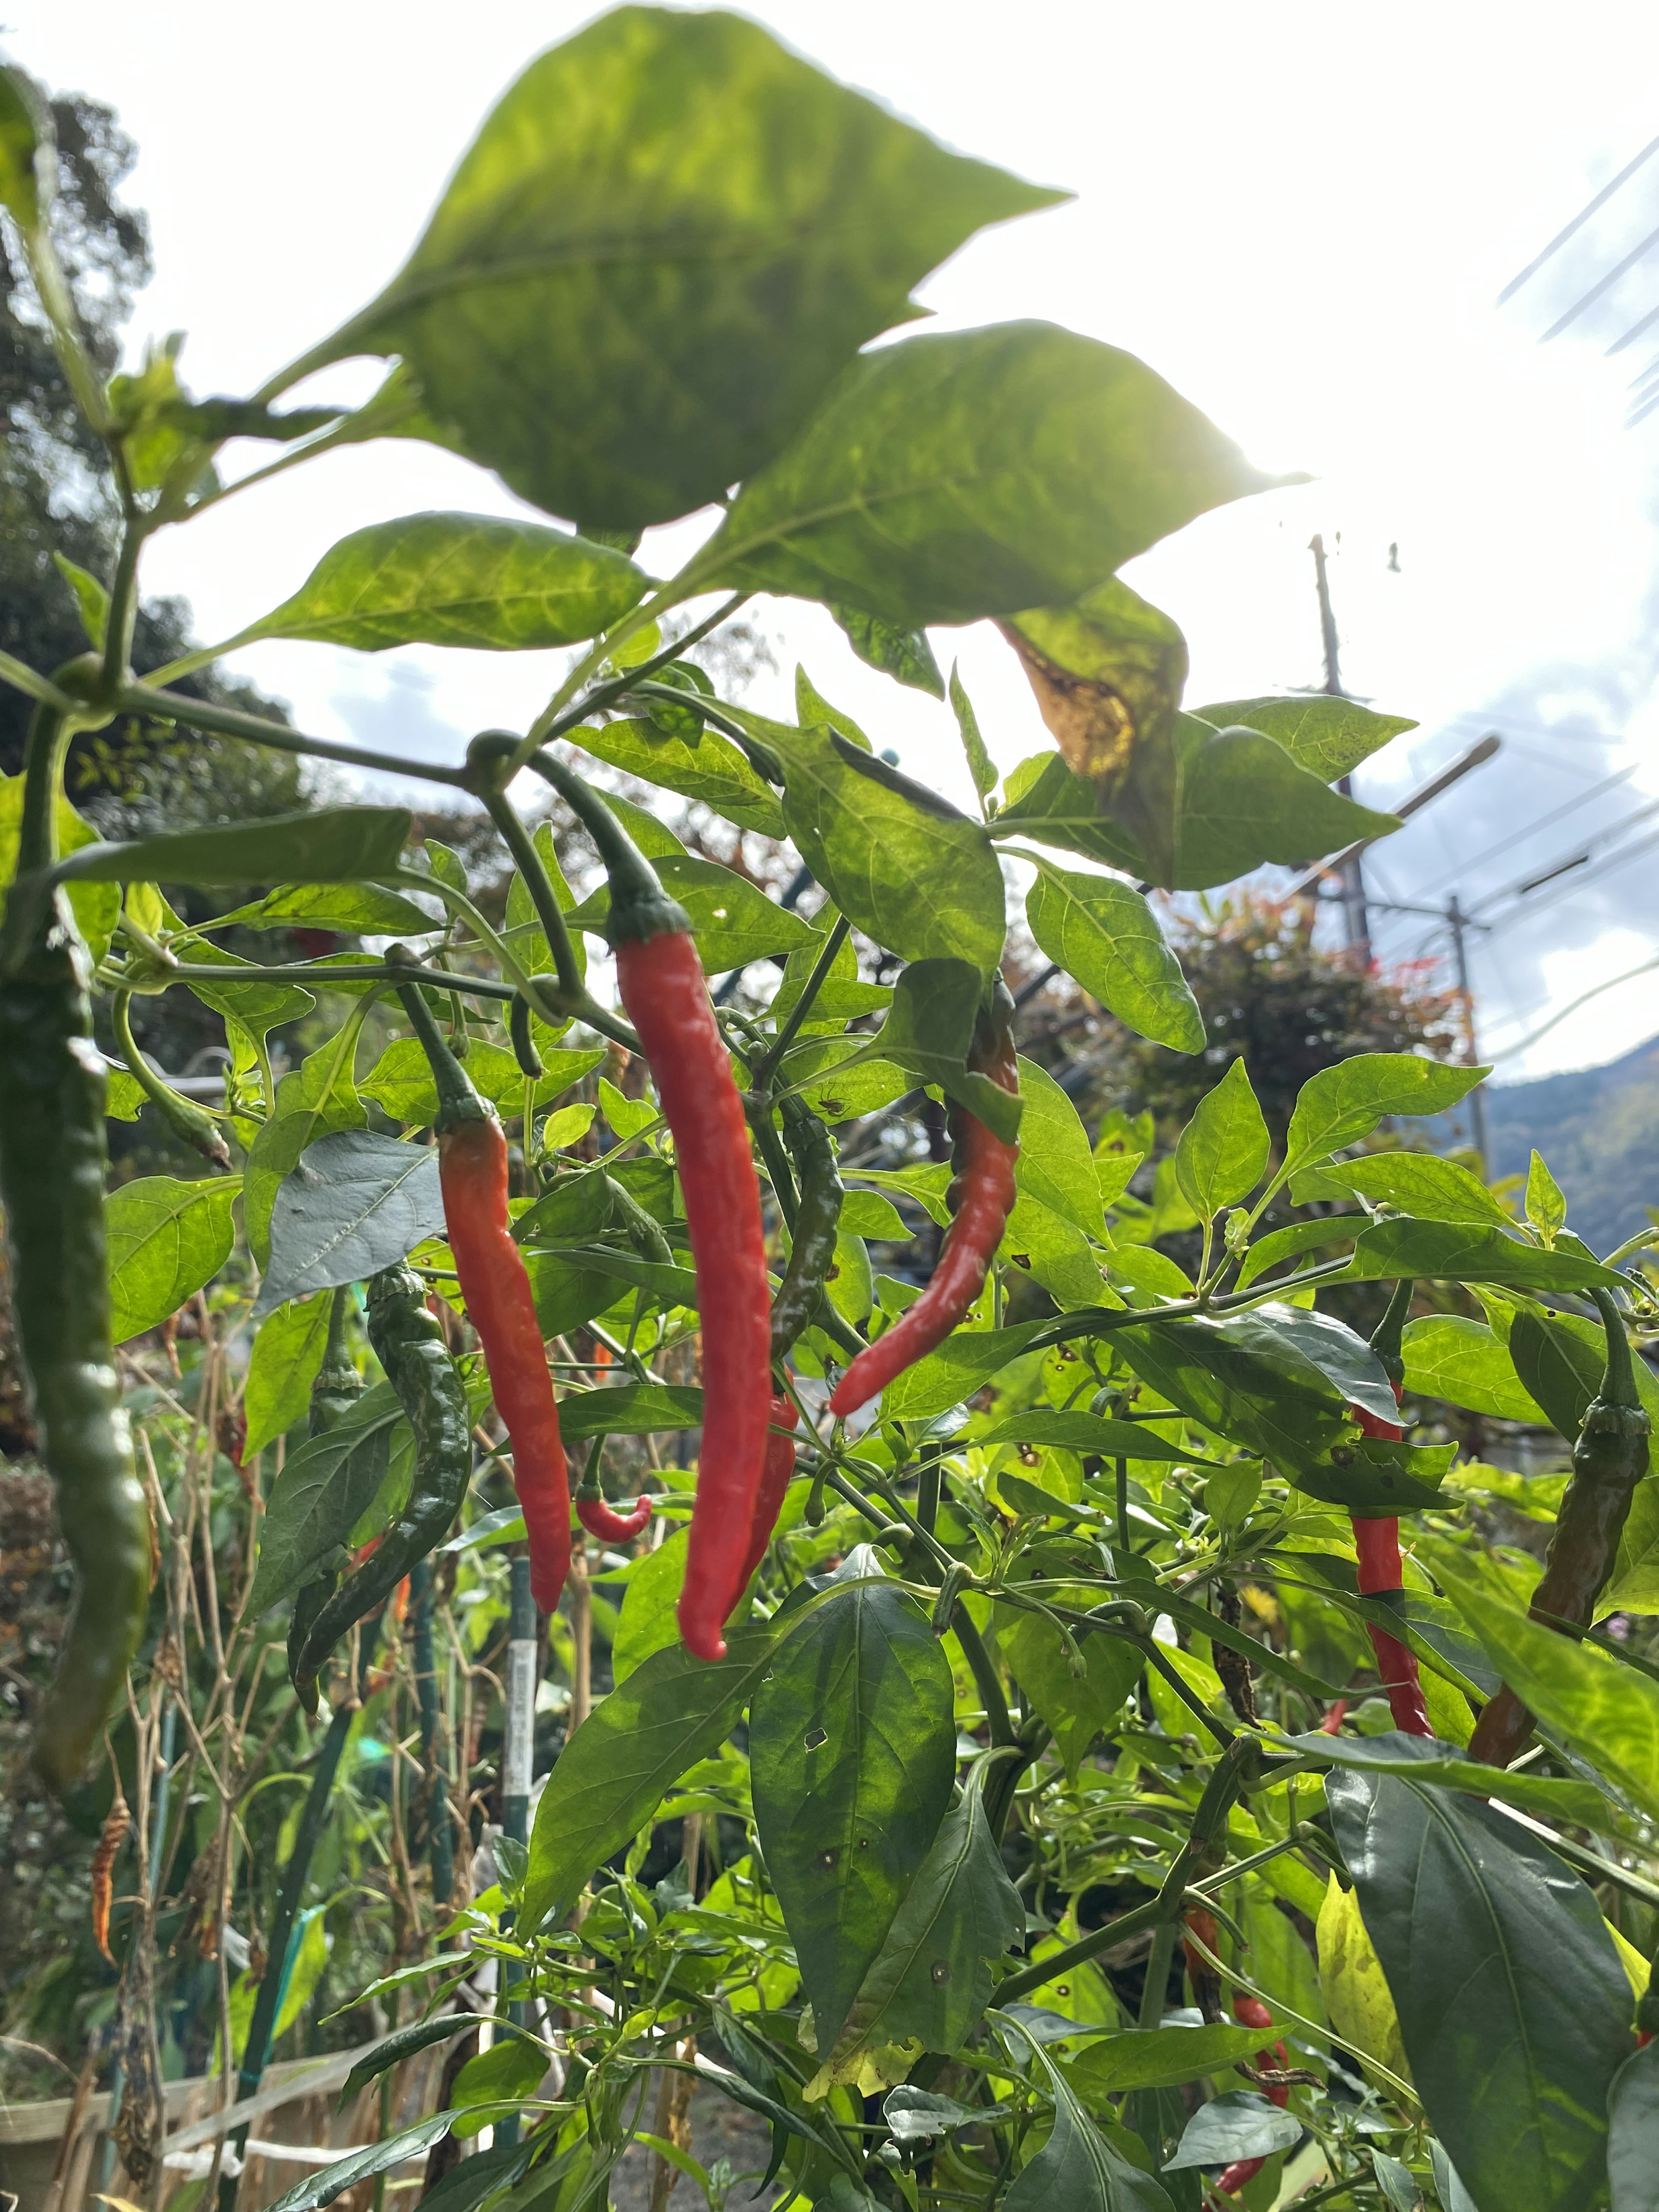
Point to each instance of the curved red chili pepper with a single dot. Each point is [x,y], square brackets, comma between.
[602,1520]
[1377,1543]
[775,1478]
[666,997]
[981,1197]
[1250,2012]
[473,1170]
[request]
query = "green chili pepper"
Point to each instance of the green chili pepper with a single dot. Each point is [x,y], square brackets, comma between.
[524,1045]
[957,1580]
[812,1252]
[51,1184]
[187,1120]
[409,1345]
[1608,1460]
[335,1392]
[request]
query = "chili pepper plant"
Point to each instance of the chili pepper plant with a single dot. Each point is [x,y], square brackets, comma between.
[1061,1727]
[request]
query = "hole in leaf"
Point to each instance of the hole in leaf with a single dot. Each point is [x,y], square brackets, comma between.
[941,1970]
[815,1738]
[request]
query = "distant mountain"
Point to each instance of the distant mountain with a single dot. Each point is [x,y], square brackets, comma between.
[1598,1130]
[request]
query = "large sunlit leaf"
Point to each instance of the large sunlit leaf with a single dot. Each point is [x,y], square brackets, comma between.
[668,237]
[166,1240]
[1469,1252]
[1341,1104]
[853,1753]
[1105,936]
[976,472]
[1450,1357]
[1327,736]
[712,770]
[460,580]
[1514,2009]
[732,920]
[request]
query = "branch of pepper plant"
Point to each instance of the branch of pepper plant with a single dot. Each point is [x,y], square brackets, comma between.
[604,695]
[761,1075]
[161,705]
[538,883]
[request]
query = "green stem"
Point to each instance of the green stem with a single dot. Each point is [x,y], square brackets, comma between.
[324,979]
[229,722]
[985,1675]
[123,605]
[22,677]
[607,695]
[59,302]
[657,603]
[803,1005]
[639,905]
[45,751]
[543,897]
[1619,1383]
[1155,1989]
[458,1101]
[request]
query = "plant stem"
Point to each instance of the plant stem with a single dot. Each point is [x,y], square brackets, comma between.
[1155,1989]
[123,604]
[607,695]
[803,1005]
[226,721]
[539,884]
[22,678]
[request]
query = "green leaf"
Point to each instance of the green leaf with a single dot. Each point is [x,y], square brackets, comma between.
[324,2184]
[923,885]
[459,580]
[1108,673]
[932,1979]
[327,844]
[980,766]
[1238,2123]
[508,2072]
[710,769]
[1105,936]
[1466,1252]
[323,1491]
[1634,2133]
[1546,1209]
[1242,800]
[647,1622]
[1088,1434]
[28,158]
[400,1082]
[1221,1153]
[1590,1699]
[1342,1104]
[929,1032]
[352,1203]
[360,909]
[91,597]
[281,1368]
[1422,1184]
[620,1764]
[666,240]
[1077,1711]
[1077,2170]
[1559,1370]
[1422,1760]
[1159,2058]
[166,1240]
[975,472]
[260,1007]
[312,1101]
[853,1753]
[964,1363]
[1290,1243]
[94,906]
[630,1409]
[1464,1364]
[903,654]
[1055,1167]
[732,920]
[1326,736]
[1513,2006]
[1046,801]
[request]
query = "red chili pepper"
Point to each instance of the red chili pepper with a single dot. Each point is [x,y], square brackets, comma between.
[601,1519]
[666,997]
[472,1173]
[981,1197]
[1250,2012]
[774,1482]
[1377,1542]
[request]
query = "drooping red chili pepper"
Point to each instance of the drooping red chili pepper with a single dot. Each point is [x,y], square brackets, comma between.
[665,995]
[472,1168]
[1206,1982]
[1250,2012]
[981,1197]
[1377,1542]
[594,1510]
[775,1478]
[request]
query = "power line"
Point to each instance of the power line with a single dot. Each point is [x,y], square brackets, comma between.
[1556,814]
[1522,884]
[1608,983]
[1577,222]
[1603,284]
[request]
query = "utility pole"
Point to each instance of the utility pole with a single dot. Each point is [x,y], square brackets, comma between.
[1356,918]
[1458,922]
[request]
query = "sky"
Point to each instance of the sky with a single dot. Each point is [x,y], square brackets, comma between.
[1302,215]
